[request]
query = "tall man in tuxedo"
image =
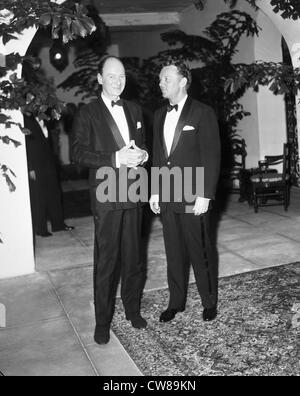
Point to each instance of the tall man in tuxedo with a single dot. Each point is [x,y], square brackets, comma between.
[109,133]
[186,135]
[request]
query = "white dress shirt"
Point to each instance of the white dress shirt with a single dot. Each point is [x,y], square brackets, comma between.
[118,115]
[43,127]
[171,122]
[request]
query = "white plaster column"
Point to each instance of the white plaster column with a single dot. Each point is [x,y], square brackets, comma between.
[290,30]
[271,108]
[295,53]
[16,251]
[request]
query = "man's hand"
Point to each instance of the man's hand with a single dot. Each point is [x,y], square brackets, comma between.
[132,156]
[201,206]
[143,153]
[129,157]
[154,204]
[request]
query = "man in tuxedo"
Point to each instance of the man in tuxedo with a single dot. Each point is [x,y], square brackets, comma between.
[109,134]
[186,136]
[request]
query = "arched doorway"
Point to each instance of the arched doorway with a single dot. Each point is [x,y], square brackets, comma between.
[290,31]
[291,120]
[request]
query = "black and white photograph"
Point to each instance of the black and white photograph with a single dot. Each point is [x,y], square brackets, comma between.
[149,191]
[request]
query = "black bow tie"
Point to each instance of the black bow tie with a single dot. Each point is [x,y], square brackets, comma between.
[117,103]
[170,107]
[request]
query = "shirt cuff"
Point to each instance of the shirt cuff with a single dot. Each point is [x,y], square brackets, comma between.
[147,157]
[118,165]
[206,199]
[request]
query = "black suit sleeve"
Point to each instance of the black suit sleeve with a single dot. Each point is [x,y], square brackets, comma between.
[83,151]
[210,152]
[155,144]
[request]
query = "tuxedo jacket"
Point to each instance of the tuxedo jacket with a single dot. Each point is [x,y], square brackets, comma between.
[196,144]
[40,157]
[96,139]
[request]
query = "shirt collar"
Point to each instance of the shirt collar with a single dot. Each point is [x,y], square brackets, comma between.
[107,101]
[182,103]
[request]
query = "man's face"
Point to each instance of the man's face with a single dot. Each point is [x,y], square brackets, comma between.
[113,78]
[171,83]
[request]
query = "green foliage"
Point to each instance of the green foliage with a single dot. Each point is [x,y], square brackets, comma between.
[68,20]
[289,9]
[7,173]
[85,78]
[200,4]
[280,78]
[36,95]
[89,53]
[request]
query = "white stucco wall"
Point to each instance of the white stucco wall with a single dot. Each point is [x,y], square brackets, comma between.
[271,108]
[16,252]
[290,30]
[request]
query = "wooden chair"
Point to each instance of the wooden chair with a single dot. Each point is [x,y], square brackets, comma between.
[271,185]
[232,175]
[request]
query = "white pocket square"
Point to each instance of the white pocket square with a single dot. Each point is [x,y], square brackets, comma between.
[188,128]
[138,125]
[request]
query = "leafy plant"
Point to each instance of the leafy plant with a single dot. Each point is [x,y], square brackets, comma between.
[68,20]
[215,51]
[288,9]
[89,53]
[280,78]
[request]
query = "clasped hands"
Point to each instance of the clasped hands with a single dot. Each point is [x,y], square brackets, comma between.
[201,205]
[132,156]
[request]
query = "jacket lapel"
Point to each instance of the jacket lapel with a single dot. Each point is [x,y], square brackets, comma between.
[161,131]
[112,125]
[130,121]
[181,123]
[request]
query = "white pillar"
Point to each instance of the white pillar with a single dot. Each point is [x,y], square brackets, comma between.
[290,30]
[16,251]
[295,53]
[272,125]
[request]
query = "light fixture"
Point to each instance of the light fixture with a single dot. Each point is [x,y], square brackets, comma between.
[58,56]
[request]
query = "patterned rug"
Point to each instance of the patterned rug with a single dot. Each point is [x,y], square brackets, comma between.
[255,334]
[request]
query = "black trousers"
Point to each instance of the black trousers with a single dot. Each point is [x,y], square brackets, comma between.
[117,254]
[188,241]
[46,201]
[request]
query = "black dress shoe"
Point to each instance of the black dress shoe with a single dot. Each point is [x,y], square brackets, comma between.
[101,336]
[209,314]
[169,314]
[45,234]
[137,321]
[65,227]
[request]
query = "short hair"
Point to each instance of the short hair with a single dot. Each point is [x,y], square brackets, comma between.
[104,60]
[182,69]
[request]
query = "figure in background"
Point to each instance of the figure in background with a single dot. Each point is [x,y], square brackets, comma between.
[45,191]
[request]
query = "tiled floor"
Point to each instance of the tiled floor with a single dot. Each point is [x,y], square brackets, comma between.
[49,329]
